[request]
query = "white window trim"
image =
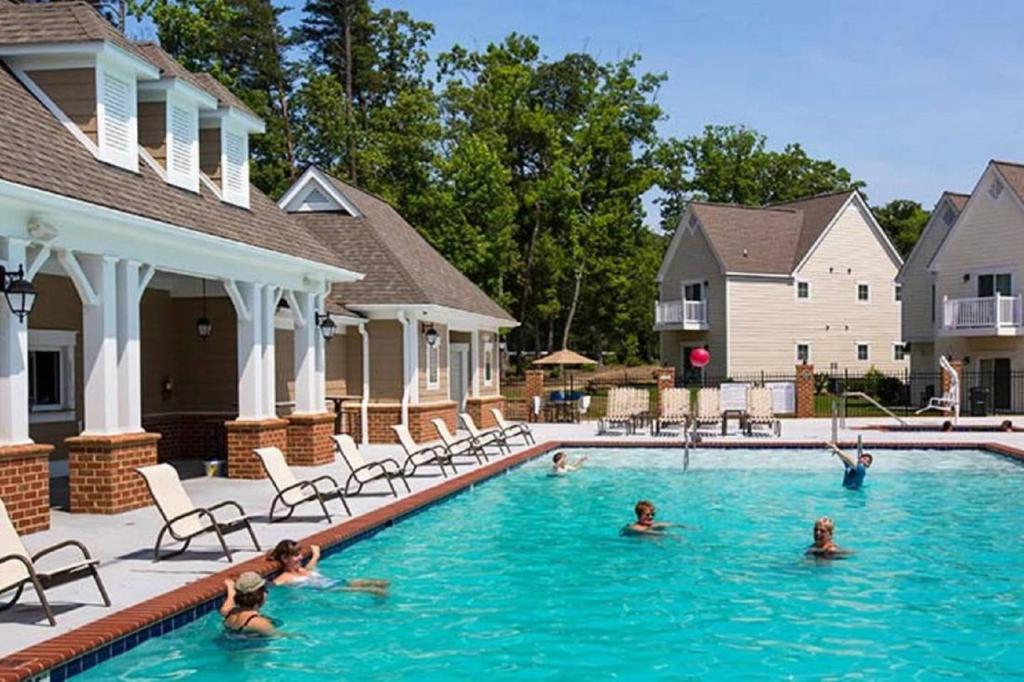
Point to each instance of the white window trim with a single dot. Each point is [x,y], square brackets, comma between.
[895,287]
[62,342]
[796,351]
[895,345]
[856,293]
[488,357]
[995,272]
[796,290]
[688,282]
[432,360]
[856,351]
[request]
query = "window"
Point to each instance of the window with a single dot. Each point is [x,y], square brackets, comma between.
[803,290]
[116,131]
[433,362]
[803,352]
[488,363]
[991,284]
[897,293]
[694,291]
[899,351]
[51,375]
[863,292]
[863,351]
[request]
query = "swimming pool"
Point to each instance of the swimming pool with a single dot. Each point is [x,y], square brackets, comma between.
[527,577]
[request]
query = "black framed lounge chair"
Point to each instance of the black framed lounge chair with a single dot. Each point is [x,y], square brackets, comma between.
[458,447]
[18,568]
[364,472]
[485,437]
[184,521]
[292,492]
[513,429]
[423,454]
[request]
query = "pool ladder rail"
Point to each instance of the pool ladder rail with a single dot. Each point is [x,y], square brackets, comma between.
[863,396]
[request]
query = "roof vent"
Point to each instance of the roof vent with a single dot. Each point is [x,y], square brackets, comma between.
[693,222]
[949,216]
[996,188]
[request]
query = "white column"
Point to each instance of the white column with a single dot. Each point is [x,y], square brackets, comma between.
[13,362]
[99,346]
[129,363]
[270,297]
[474,362]
[320,373]
[364,404]
[250,350]
[304,350]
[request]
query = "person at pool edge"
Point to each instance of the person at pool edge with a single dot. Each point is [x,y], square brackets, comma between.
[854,470]
[241,608]
[288,554]
[645,523]
[561,465]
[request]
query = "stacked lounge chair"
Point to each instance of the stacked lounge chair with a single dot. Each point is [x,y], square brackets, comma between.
[674,410]
[760,411]
[708,408]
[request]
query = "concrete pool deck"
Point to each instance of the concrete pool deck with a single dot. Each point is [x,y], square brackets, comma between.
[123,543]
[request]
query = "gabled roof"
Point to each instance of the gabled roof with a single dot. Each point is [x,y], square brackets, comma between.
[1013,173]
[936,222]
[749,238]
[818,212]
[401,267]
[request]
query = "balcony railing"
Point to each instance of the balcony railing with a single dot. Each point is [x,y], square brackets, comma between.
[989,313]
[685,314]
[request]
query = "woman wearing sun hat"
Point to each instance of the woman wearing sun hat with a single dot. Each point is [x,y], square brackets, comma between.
[241,609]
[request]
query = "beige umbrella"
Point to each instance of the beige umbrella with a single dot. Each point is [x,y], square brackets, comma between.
[564,357]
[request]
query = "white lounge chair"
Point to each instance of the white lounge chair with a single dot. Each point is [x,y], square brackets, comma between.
[619,412]
[761,412]
[513,429]
[184,521]
[458,447]
[18,568]
[417,455]
[485,437]
[708,408]
[364,472]
[292,492]
[674,410]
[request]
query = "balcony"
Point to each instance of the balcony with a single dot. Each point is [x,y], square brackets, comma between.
[989,316]
[685,315]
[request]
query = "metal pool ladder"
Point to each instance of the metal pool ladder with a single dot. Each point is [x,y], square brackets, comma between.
[872,401]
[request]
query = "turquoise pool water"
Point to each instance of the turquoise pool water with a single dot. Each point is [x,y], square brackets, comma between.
[526,577]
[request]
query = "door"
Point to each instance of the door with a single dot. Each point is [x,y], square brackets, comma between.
[458,377]
[995,375]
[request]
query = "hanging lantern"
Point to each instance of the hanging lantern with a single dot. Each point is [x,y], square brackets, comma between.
[431,335]
[19,292]
[203,325]
[327,326]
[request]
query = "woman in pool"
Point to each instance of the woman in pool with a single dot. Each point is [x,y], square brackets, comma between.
[824,546]
[241,608]
[288,554]
[645,523]
[561,465]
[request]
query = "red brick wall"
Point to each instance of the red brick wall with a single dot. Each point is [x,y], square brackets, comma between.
[25,485]
[420,416]
[245,436]
[480,409]
[381,417]
[309,439]
[189,436]
[804,391]
[102,478]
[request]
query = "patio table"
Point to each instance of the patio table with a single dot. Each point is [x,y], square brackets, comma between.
[739,415]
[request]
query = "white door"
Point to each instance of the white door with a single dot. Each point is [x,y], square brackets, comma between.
[458,374]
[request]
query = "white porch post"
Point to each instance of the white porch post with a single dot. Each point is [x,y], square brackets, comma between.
[99,346]
[474,360]
[410,363]
[320,348]
[13,362]
[249,311]
[271,295]
[129,364]
[364,404]
[304,315]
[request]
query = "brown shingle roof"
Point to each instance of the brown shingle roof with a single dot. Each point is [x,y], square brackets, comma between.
[818,213]
[401,267]
[957,199]
[1014,174]
[37,151]
[169,66]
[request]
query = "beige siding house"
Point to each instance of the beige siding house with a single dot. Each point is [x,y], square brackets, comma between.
[766,288]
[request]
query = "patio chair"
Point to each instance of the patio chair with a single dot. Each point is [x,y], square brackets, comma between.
[364,472]
[458,447]
[760,411]
[485,437]
[421,455]
[708,408]
[292,492]
[18,568]
[184,521]
[674,410]
[619,411]
[513,429]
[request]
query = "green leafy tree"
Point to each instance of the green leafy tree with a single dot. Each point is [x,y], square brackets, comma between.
[903,220]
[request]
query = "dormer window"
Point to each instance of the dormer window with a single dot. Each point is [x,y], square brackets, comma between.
[117,134]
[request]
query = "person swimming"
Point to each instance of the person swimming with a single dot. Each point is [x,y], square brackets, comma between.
[241,608]
[561,465]
[645,523]
[824,546]
[288,554]
[854,471]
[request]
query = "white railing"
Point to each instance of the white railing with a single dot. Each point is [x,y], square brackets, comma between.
[686,313]
[982,313]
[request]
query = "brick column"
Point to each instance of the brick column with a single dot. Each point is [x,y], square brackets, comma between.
[309,439]
[245,435]
[420,417]
[805,391]
[25,485]
[666,377]
[102,476]
[480,409]
[534,387]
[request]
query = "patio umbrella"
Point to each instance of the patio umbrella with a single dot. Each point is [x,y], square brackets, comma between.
[564,357]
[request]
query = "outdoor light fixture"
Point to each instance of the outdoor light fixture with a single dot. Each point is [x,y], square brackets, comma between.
[327,326]
[431,335]
[19,292]
[203,325]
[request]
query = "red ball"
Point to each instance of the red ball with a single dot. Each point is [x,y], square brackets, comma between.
[699,357]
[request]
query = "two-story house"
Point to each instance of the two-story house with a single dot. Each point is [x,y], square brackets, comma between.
[767,288]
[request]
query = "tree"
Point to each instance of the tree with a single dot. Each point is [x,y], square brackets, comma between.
[903,220]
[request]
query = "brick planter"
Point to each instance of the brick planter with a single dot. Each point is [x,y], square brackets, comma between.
[244,436]
[102,478]
[420,415]
[25,485]
[480,409]
[309,439]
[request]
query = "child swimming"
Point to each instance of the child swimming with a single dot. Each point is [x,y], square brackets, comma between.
[288,554]
[561,465]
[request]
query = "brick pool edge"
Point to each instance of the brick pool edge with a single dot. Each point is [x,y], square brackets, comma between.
[97,641]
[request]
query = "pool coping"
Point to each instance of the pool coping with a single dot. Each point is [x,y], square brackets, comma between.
[80,649]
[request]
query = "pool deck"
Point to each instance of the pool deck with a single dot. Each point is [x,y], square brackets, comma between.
[123,543]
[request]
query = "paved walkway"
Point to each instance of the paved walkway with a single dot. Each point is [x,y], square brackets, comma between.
[123,543]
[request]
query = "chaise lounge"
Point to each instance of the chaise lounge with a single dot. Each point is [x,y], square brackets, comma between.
[421,455]
[458,447]
[514,429]
[364,472]
[485,438]
[292,492]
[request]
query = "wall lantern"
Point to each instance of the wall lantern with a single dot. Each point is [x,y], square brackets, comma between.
[431,335]
[203,325]
[19,292]
[327,326]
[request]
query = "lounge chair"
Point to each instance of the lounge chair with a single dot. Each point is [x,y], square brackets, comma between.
[619,411]
[364,472]
[708,412]
[184,521]
[674,410]
[292,492]
[485,437]
[18,568]
[513,429]
[760,411]
[458,447]
[421,455]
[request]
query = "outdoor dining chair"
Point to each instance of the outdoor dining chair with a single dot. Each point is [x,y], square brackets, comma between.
[417,455]
[364,472]
[184,521]
[458,447]
[485,437]
[18,568]
[514,429]
[292,492]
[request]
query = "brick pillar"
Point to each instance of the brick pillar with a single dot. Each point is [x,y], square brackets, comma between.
[25,485]
[805,391]
[309,439]
[944,381]
[245,435]
[666,377]
[480,409]
[420,426]
[101,472]
[534,387]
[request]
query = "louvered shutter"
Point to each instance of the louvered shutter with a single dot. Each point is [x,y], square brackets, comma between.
[118,140]
[183,162]
[235,171]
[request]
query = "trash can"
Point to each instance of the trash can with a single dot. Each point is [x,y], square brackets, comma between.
[979,401]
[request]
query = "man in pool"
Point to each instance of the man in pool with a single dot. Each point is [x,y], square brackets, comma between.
[561,465]
[854,470]
[645,523]
[824,546]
